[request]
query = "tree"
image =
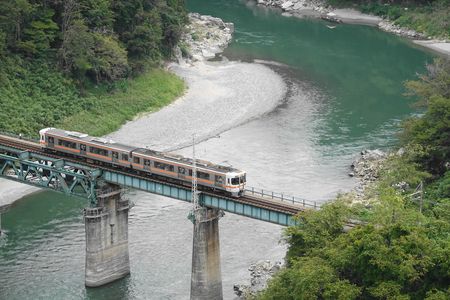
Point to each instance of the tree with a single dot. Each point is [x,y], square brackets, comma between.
[431,131]
[109,60]
[40,32]
[98,14]
[13,16]
[77,48]
[310,278]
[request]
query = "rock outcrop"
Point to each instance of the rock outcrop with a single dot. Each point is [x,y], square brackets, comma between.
[366,168]
[260,273]
[296,5]
[389,26]
[205,37]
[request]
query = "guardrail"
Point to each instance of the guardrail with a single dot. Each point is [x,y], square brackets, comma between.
[281,196]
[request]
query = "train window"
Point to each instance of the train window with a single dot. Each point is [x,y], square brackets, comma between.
[67,144]
[147,162]
[190,172]
[219,179]
[136,160]
[124,156]
[235,181]
[203,175]
[164,166]
[51,140]
[99,151]
[82,147]
[115,155]
[181,170]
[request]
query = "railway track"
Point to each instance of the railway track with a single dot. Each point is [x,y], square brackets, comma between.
[275,205]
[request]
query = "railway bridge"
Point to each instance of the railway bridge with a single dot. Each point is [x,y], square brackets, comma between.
[106,217]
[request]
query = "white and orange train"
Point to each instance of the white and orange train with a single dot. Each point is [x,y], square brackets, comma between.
[175,167]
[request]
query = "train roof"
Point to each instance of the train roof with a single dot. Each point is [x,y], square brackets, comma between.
[143,151]
[89,139]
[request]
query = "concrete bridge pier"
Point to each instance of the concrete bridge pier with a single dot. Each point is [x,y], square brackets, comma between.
[3,209]
[206,277]
[106,225]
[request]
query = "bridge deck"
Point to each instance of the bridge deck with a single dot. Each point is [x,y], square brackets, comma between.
[261,207]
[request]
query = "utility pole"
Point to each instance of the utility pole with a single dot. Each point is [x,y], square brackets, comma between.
[195,203]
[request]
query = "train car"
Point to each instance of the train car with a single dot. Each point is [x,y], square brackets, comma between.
[177,167]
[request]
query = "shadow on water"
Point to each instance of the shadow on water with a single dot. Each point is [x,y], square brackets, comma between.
[120,289]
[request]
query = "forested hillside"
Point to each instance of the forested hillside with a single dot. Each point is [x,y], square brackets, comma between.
[401,250]
[59,58]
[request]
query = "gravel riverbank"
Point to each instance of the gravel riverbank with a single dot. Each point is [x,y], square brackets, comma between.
[221,95]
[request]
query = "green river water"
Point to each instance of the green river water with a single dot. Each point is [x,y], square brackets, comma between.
[359,71]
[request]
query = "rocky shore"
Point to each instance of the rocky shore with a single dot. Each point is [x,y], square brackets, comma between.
[260,274]
[367,168]
[205,37]
[320,9]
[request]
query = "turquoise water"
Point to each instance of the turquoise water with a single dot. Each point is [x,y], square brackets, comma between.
[360,68]
[353,78]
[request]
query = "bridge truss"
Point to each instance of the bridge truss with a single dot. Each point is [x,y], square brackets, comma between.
[49,172]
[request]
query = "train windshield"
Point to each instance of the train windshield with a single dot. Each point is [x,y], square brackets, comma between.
[242,179]
[235,181]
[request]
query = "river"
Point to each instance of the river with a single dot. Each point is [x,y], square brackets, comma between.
[344,94]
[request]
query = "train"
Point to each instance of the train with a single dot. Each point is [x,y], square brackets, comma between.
[143,160]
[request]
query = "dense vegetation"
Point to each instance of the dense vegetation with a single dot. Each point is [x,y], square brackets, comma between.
[402,250]
[431,17]
[64,62]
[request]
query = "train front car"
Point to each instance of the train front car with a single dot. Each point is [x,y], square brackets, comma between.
[236,183]
[43,141]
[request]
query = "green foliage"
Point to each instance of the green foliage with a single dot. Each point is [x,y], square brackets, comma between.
[39,34]
[94,39]
[33,95]
[310,278]
[431,132]
[401,169]
[146,93]
[109,60]
[398,254]
[315,230]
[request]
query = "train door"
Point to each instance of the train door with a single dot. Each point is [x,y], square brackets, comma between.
[82,149]
[219,180]
[147,164]
[115,156]
[181,172]
[51,142]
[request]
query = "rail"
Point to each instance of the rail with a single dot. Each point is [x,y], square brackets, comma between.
[262,198]
[281,196]
[21,137]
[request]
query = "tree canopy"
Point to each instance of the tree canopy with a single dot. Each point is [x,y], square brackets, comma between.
[103,40]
